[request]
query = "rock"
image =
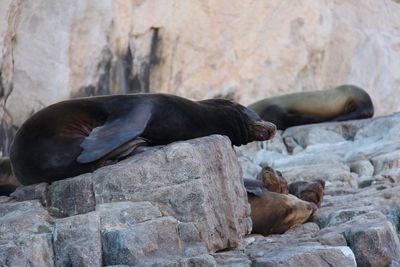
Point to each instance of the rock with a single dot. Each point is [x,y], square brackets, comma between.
[386,161]
[332,239]
[21,220]
[362,168]
[376,244]
[31,192]
[72,196]
[233,258]
[126,213]
[25,234]
[77,241]
[337,176]
[318,136]
[194,181]
[136,233]
[393,175]
[308,255]
[35,251]
[250,169]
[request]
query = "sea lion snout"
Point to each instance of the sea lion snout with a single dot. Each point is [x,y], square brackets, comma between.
[261,130]
[311,206]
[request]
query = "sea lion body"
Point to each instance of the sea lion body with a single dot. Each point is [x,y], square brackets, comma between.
[80,135]
[346,102]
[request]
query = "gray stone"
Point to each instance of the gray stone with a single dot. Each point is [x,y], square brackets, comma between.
[72,196]
[77,241]
[233,258]
[362,168]
[35,250]
[392,175]
[146,242]
[336,175]
[31,192]
[307,255]
[134,233]
[368,150]
[318,135]
[374,244]
[386,161]
[25,234]
[194,181]
[365,181]
[21,220]
[126,213]
[332,239]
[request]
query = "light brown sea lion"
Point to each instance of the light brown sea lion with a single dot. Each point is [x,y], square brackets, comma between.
[80,135]
[308,191]
[346,102]
[273,180]
[274,213]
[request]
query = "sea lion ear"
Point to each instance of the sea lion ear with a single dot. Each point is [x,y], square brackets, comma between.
[117,130]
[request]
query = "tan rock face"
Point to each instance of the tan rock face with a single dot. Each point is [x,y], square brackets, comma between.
[239,49]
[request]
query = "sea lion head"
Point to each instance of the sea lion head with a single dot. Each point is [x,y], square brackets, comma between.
[275,213]
[308,191]
[273,180]
[297,211]
[251,126]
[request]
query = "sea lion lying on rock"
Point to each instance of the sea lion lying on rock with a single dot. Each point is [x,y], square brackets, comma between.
[308,191]
[346,102]
[274,213]
[80,135]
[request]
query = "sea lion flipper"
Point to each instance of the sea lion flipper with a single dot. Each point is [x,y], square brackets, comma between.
[117,130]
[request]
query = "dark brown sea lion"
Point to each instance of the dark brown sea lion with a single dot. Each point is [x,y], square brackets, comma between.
[8,182]
[274,213]
[273,180]
[81,135]
[308,191]
[346,102]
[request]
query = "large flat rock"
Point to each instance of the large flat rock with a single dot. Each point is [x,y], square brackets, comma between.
[168,206]
[194,181]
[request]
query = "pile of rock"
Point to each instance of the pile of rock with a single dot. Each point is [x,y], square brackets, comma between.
[170,206]
[185,205]
[360,216]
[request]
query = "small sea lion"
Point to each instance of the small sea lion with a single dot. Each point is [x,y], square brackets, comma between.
[273,180]
[8,182]
[80,135]
[308,191]
[274,213]
[346,102]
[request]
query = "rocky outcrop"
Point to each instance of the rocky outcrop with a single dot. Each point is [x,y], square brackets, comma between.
[358,222]
[170,205]
[50,52]
[185,205]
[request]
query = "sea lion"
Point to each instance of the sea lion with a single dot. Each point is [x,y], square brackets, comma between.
[8,182]
[345,102]
[308,191]
[273,180]
[274,213]
[80,135]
